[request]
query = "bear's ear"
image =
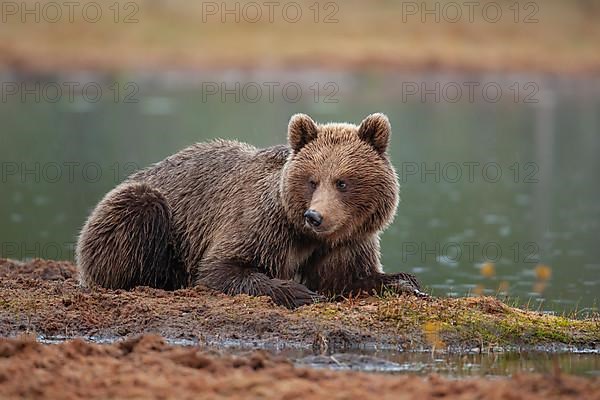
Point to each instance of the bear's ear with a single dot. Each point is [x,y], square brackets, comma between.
[301,130]
[376,130]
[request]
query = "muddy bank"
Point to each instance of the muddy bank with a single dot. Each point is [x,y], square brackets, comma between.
[43,298]
[148,368]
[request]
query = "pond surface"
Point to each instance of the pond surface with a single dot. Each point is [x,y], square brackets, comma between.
[499,173]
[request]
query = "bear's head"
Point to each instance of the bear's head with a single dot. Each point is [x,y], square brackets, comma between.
[338,182]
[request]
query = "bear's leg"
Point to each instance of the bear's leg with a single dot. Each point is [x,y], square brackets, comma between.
[233,277]
[127,242]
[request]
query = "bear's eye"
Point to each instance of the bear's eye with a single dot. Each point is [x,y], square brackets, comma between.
[312,183]
[341,185]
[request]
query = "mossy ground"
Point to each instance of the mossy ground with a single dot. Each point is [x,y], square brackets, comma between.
[462,323]
[43,297]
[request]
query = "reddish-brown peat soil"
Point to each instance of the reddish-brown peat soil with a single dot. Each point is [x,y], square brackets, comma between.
[42,299]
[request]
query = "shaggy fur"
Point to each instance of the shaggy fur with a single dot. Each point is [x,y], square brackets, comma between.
[231,217]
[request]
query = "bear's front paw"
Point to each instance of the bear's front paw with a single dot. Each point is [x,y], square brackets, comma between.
[403,283]
[293,295]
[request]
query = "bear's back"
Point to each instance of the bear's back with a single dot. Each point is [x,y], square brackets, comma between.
[208,185]
[203,166]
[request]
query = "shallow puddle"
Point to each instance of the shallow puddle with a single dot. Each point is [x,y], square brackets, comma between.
[460,365]
[567,360]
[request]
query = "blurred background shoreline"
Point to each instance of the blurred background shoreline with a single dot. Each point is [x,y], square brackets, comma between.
[553,36]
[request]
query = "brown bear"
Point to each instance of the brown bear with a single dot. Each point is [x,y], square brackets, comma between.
[296,223]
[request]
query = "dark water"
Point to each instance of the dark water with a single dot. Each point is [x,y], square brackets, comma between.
[499,173]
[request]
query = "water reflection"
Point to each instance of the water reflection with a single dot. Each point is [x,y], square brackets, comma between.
[492,364]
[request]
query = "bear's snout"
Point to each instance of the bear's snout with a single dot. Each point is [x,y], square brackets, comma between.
[313,218]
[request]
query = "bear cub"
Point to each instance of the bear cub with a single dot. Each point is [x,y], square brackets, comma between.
[296,222]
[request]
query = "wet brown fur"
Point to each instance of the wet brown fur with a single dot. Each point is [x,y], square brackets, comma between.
[231,217]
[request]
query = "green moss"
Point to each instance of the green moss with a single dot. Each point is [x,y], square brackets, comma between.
[465,322]
[517,327]
[330,312]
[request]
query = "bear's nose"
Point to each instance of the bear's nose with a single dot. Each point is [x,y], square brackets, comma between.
[313,217]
